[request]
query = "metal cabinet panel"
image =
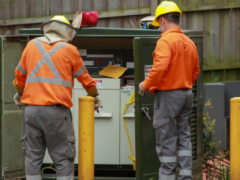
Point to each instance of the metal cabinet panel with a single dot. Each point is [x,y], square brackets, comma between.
[232,89]
[126,93]
[215,92]
[107,133]
[146,156]
[11,155]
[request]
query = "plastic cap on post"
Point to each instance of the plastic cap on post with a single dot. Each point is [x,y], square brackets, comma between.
[86,98]
[235,100]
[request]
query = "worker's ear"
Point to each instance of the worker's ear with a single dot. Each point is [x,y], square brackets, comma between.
[159,20]
[163,21]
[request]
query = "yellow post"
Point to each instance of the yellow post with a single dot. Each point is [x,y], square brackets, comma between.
[86,138]
[235,137]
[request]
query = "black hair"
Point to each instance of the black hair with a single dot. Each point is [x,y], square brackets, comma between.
[171,17]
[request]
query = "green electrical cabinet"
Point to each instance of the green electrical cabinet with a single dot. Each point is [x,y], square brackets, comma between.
[142,43]
[11,156]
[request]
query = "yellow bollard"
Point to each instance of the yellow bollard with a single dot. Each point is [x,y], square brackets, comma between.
[86,138]
[235,137]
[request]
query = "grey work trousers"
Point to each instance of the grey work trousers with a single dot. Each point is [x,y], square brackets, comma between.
[48,127]
[173,135]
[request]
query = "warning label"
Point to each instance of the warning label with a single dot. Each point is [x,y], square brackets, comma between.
[88,63]
[128,93]
[147,70]
[130,65]
[131,82]
[99,83]
[82,52]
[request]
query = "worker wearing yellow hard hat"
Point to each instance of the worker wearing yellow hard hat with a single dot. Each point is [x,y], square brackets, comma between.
[166,7]
[57,25]
[175,70]
[44,83]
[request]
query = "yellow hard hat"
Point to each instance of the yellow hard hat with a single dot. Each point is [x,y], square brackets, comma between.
[164,8]
[61,19]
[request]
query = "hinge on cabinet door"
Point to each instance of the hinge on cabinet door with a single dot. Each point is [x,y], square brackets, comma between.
[4,170]
[3,177]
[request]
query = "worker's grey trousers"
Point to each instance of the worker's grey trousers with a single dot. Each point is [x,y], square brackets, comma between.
[173,136]
[48,127]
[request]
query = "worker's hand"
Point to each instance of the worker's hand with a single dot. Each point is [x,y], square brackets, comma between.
[97,102]
[141,87]
[17,99]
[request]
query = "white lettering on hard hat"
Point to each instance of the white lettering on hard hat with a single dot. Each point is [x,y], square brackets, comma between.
[165,4]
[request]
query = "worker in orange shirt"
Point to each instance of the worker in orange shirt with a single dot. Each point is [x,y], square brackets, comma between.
[44,80]
[175,70]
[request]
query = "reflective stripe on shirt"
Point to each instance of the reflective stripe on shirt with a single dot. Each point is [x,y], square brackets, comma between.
[47,59]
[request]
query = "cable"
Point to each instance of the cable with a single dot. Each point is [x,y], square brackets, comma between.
[48,168]
[132,100]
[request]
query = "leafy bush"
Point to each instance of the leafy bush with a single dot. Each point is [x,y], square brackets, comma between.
[216,170]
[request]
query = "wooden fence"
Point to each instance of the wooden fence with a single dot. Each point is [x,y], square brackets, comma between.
[31,13]
[218,19]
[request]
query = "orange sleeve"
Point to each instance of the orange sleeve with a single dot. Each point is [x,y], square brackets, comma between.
[196,69]
[21,70]
[80,71]
[162,58]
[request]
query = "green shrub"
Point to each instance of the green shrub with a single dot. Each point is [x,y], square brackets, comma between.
[210,147]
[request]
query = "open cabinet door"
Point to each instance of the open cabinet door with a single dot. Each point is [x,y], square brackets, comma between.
[147,163]
[11,155]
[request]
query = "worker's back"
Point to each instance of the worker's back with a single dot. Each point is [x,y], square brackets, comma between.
[184,59]
[50,69]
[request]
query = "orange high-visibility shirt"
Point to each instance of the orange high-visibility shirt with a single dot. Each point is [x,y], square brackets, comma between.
[47,70]
[175,63]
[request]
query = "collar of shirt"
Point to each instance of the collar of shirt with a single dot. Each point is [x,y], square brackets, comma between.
[177,29]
